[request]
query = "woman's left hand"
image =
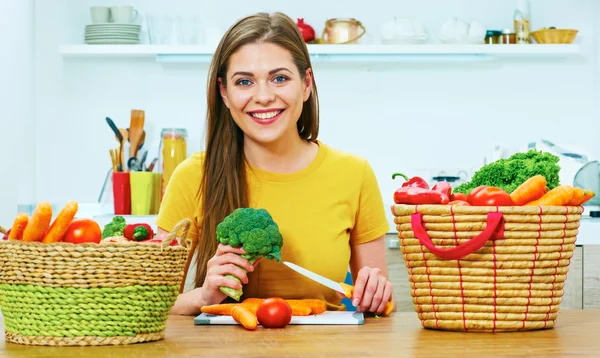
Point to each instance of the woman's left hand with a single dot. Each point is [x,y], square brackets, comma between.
[371,291]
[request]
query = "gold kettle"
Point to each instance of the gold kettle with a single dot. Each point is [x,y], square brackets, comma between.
[341,31]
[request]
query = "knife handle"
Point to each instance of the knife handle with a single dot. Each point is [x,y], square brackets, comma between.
[349,290]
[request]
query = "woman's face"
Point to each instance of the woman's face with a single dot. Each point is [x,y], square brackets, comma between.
[265,92]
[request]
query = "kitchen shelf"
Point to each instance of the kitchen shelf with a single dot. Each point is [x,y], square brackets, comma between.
[333,53]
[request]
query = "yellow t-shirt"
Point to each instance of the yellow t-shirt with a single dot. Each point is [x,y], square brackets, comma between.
[321,210]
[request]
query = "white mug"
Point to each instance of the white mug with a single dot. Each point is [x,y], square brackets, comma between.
[123,14]
[100,14]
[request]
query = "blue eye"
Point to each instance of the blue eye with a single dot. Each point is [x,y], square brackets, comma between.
[280,79]
[243,82]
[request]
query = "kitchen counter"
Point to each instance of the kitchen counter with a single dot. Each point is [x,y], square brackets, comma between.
[399,335]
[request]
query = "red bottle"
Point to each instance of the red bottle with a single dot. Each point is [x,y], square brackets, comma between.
[308,33]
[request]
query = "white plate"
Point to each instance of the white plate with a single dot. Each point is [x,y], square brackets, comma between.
[111,24]
[108,36]
[96,32]
[112,42]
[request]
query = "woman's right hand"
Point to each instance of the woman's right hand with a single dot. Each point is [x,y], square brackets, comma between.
[227,260]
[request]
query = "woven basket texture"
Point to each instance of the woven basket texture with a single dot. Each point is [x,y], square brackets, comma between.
[515,282]
[117,293]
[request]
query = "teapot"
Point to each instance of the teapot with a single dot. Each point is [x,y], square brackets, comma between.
[308,33]
[342,31]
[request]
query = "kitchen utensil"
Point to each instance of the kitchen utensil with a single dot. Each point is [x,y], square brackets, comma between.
[327,317]
[114,160]
[152,164]
[121,193]
[143,160]
[125,138]
[136,129]
[115,130]
[133,164]
[340,287]
[307,31]
[342,31]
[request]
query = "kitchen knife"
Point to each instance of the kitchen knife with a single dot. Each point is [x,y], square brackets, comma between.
[340,287]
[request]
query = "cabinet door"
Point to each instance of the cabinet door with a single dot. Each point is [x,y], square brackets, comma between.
[591,277]
[573,296]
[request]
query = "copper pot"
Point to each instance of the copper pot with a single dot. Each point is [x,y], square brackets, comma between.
[342,31]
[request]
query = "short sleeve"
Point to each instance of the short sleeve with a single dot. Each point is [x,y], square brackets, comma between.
[181,198]
[371,221]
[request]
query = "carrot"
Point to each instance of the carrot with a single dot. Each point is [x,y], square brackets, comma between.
[531,189]
[578,195]
[60,225]
[244,316]
[299,308]
[16,231]
[252,304]
[588,194]
[38,222]
[559,196]
[223,309]
[316,306]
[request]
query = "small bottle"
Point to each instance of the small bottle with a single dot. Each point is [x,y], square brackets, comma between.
[522,22]
[173,151]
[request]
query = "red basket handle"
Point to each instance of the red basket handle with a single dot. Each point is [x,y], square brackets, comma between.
[494,223]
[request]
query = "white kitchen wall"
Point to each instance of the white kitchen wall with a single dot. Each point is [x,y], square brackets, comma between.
[415,118]
[16,105]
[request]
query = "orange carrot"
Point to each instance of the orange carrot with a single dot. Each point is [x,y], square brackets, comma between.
[578,195]
[252,304]
[316,306]
[16,231]
[559,196]
[244,316]
[299,308]
[38,222]
[532,189]
[223,309]
[588,194]
[60,225]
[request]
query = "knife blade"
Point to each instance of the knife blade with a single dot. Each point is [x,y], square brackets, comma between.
[341,287]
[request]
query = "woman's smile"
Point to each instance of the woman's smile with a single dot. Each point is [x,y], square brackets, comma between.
[266,116]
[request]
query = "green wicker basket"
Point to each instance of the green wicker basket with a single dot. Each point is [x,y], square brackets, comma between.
[115,293]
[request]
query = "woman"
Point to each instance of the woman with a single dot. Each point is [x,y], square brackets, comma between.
[262,151]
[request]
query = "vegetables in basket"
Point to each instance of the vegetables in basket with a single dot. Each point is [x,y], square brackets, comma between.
[255,231]
[510,173]
[114,228]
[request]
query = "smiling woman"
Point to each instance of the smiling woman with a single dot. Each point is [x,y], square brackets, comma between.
[262,151]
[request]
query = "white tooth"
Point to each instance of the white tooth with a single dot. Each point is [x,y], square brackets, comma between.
[266,115]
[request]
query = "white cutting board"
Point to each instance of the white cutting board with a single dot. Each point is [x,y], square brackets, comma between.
[328,317]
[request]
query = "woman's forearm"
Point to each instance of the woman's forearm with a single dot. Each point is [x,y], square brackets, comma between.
[189,303]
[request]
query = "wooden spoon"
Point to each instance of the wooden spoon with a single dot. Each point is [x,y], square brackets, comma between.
[125,138]
[136,130]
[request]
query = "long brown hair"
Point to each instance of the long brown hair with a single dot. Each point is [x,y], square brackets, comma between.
[224,185]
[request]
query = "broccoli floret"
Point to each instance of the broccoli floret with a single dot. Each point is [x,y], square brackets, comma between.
[511,172]
[255,231]
[114,228]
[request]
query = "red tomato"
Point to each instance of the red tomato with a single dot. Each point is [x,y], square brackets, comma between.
[274,312]
[458,196]
[83,230]
[489,196]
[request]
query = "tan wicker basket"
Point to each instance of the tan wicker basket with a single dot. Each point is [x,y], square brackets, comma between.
[487,269]
[554,36]
[117,293]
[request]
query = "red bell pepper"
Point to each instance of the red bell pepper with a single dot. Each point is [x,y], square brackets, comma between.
[415,195]
[443,187]
[489,196]
[412,182]
[138,232]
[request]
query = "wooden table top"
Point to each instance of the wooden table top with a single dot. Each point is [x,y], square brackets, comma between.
[400,335]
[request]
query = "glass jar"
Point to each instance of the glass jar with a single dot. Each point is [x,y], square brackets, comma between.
[172,151]
[508,37]
[492,37]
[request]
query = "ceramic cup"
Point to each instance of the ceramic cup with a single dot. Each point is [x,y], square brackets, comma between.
[123,14]
[100,14]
